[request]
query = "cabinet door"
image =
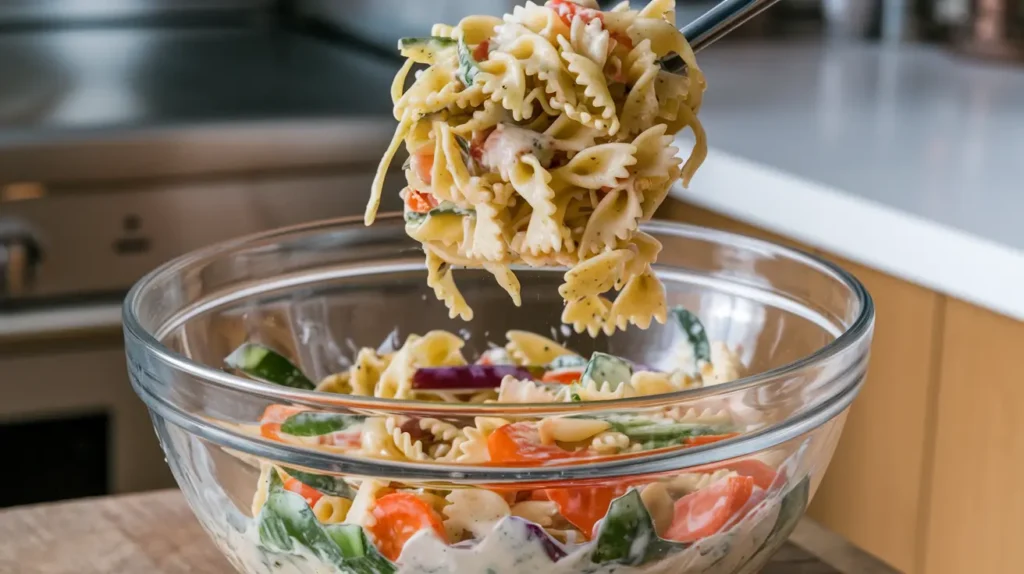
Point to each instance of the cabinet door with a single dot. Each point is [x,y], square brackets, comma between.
[977,504]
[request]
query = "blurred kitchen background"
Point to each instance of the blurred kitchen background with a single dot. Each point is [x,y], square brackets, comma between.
[133,131]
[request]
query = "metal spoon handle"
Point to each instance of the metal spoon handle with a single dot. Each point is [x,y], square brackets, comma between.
[723,18]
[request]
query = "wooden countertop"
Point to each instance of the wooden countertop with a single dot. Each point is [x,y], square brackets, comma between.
[155,533]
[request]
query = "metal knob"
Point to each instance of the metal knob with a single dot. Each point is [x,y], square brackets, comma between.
[20,254]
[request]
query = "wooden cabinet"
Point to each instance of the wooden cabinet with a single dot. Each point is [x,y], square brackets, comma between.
[976,521]
[926,473]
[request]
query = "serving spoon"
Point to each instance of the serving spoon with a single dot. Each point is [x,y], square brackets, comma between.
[723,18]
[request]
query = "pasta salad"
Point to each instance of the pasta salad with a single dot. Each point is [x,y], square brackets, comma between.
[364,525]
[543,138]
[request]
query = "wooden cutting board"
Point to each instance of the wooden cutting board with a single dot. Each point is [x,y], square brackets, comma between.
[155,533]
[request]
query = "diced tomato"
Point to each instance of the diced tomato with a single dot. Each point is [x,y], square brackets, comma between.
[708,439]
[705,512]
[563,376]
[481,50]
[422,163]
[484,360]
[584,506]
[566,10]
[307,492]
[342,438]
[419,202]
[273,416]
[762,474]
[398,517]
[520,442]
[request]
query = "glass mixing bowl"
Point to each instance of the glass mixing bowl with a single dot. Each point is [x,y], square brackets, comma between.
[801,327]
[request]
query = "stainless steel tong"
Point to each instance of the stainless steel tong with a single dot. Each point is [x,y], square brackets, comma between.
[723,18]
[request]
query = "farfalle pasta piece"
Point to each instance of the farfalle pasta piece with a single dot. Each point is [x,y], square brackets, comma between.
[527,348]
[588,313]
[530,179]
[514,390]
[365,371]
[565,429]
[488,237]
[439,278]
[570,136]
[596,108]
[640,301]
[473,510]
[592,391]
[598,166]
[539,20]
[409,447]
[540,59]
[595,275]
[615,218]
[507,280]
[442,228]
[503,77]
[590,40]
[540,512]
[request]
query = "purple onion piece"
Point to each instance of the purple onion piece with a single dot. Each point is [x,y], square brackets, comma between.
[469,376]
[534,532]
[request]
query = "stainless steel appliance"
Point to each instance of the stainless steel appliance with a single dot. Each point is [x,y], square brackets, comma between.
[125,144]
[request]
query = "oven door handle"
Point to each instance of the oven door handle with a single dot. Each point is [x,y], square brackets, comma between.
[60,322]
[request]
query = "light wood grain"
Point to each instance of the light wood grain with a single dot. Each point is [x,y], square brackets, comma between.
[977,503]
[872,493]
[151,533]
[155,533]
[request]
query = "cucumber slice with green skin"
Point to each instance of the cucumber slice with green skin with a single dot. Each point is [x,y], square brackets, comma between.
[317,423]
[695,334]
[604,368]
[444,208]
[468,68]
[567,362]
[263,363]
[326,484]
[627,535]
[424,50]
[286,524]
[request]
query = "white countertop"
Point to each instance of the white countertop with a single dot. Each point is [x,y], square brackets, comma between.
[908,160]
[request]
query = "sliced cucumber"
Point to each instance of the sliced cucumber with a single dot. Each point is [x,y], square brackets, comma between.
[627,535]
[263,363]
[311,423]
[424,50]
[286,524]
[567,362]
[468,68]
[695,333]
[445,208]
[326,484]
[604,368]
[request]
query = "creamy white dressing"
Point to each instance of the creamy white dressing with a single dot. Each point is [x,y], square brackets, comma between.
[510,548]
[507,143]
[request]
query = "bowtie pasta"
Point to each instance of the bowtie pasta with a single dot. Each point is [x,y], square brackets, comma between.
[543,139]
[303,519]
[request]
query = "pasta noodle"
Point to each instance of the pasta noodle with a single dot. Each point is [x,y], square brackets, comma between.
[545,138]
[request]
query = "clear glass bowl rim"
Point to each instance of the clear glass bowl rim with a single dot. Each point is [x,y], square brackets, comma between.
[784,430]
